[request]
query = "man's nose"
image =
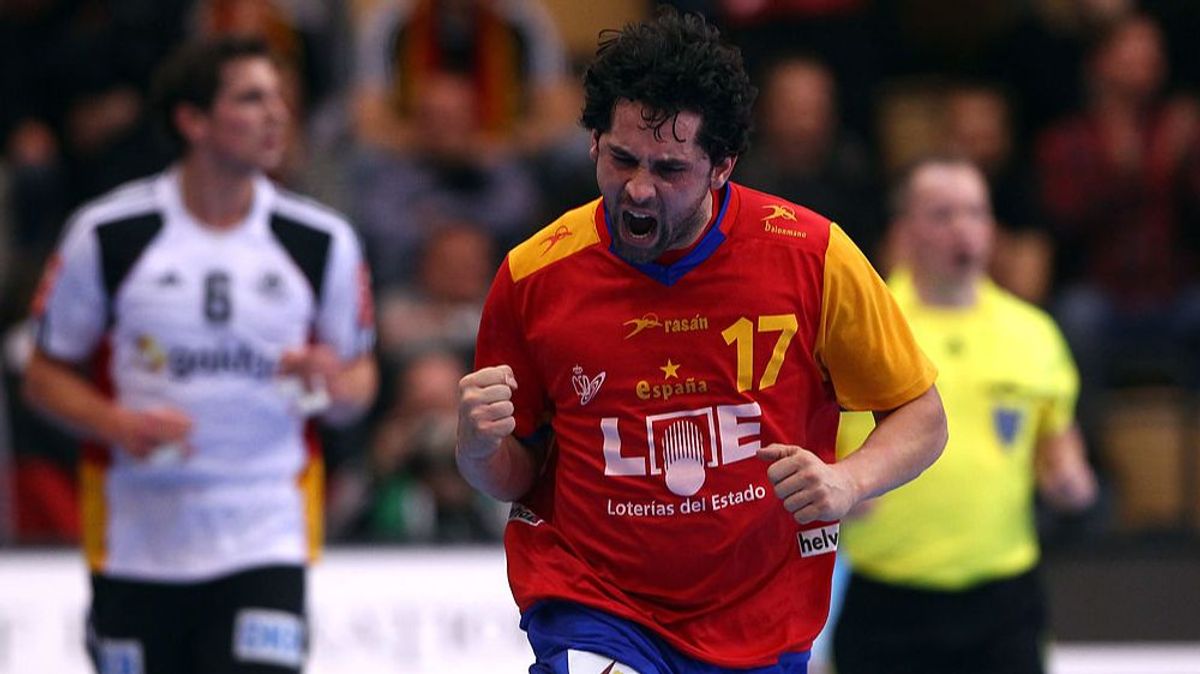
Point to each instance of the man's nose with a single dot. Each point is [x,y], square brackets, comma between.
[640,188]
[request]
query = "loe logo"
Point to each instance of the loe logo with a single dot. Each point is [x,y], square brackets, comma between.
[682,446]
[818,541]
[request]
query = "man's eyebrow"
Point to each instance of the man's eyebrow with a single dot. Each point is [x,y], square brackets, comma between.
[669,162]
[664,162]
[614,147]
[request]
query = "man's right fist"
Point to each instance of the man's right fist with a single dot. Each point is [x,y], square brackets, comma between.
[485,411]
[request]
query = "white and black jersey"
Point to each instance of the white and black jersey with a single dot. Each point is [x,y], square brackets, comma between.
[170,312]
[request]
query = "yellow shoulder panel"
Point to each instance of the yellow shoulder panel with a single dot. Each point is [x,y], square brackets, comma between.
[569,234]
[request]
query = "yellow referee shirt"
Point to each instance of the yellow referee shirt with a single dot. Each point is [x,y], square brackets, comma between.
[1007,380]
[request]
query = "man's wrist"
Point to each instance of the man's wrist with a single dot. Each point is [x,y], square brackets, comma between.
[479,451]
[112,428]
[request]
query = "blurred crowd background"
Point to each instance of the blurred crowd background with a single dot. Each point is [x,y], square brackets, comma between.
[447,131]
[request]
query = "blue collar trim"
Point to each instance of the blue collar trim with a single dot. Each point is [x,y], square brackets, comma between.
[670,274]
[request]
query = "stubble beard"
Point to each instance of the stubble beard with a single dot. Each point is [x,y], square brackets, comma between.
[686,233]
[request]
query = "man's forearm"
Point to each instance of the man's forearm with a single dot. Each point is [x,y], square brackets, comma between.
[353,390]
[1064,477]
[904,443]
[507,474]
[57,390]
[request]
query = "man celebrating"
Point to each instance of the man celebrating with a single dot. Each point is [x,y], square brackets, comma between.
[661,368]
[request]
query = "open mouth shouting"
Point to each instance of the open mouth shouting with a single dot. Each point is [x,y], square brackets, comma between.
[639,231]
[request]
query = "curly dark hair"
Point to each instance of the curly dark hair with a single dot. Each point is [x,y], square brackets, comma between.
[671,64]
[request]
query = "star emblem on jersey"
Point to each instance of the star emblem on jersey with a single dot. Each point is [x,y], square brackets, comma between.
[586,387]
[557,235]
[670,370]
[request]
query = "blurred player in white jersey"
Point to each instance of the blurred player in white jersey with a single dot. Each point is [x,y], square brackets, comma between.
[190,323]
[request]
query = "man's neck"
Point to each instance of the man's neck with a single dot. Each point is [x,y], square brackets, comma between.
[215,197]
[703,218]
[675,253]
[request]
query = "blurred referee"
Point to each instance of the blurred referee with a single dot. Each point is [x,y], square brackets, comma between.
[944,568]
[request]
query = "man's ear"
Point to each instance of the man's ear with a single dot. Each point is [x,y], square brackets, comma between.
[190,121]
[594,148]
[721,172]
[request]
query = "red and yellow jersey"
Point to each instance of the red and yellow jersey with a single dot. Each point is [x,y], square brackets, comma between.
[656,384]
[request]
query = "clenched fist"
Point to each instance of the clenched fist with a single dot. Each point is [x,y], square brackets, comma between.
[811,490]
[485,411]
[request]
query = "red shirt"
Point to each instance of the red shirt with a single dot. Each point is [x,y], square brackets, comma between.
[659,384]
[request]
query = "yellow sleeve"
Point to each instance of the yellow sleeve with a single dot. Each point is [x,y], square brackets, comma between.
[863,342]
[1063,378]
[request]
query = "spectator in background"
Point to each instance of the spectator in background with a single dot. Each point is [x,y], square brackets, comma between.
[944,568]
[1040,58]
[446,175]
[218,313]
[841,32]
[409,490]
[508,51]
[403,489]
[1121,185]
[979,126]
[406,489]
[442,309]
[803,155]
[86,74]
[72,117]
[72,122]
